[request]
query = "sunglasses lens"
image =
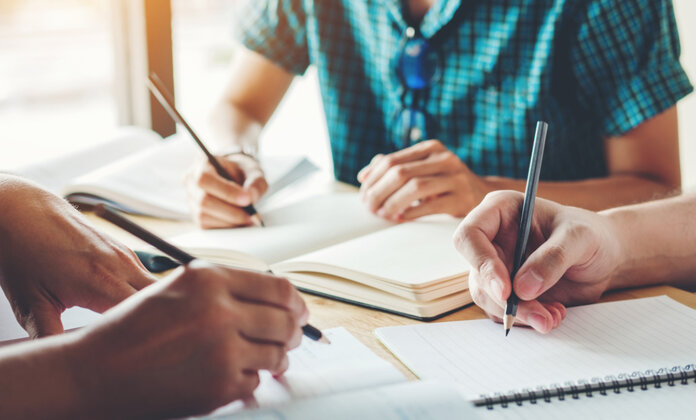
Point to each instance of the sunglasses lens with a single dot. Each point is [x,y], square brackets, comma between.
[410,126]
[416,66]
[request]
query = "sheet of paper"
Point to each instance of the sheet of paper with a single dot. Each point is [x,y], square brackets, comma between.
[319,369]
[593,341]
[404,401]
[291,230]
[411,253]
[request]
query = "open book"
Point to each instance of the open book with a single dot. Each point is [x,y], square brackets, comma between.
[138,172]
[345,380]
[332,246]
[629,359]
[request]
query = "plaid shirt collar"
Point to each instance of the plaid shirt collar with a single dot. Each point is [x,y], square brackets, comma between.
[439,15]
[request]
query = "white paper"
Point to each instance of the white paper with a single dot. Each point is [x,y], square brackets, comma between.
[319,369]
[593,341]
[404,401]
[291,230]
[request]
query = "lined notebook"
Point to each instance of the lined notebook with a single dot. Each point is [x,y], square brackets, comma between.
[614,358]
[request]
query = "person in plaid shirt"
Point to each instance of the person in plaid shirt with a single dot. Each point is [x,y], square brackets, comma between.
[431,104]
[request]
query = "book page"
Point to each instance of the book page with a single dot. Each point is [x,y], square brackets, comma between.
[291,230]
[151,182]
[417,255]
[594,341]
[320,369]
[405,401]
[56,174]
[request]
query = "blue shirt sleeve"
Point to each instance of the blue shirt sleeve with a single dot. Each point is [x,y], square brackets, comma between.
[626,62]
[276,29]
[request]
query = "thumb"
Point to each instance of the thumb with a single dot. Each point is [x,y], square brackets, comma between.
[43,320]
[256,185]
[548,263]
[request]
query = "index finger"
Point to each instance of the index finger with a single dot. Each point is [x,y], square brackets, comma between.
[417,152]
[254,179]
[226,190]
[475,235]
[255,286]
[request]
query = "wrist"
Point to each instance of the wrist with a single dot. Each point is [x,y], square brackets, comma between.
[248,151]
[622,225]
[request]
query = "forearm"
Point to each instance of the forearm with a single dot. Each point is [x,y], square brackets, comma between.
[234,129]
[658,243]
[36,381]
[592,194]
[255,88]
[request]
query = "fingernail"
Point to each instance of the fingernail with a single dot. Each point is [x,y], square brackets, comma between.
[497,288]
[381,212]
[528,285]
[537,321]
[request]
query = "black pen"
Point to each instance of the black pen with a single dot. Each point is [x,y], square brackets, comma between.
[183,257]
[160,93]
[526,219]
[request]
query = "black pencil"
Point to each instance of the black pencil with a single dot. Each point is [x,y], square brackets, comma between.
[526,219]
[160,93]
[110,215]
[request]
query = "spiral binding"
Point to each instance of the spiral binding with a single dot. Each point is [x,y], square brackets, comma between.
[677,375]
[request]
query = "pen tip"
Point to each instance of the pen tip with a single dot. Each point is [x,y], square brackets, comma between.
[507,332]
[257,220]
[324,340]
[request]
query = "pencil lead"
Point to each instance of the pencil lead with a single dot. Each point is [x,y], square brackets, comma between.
[507,332]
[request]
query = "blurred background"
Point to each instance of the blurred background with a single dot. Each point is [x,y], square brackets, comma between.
[64,68]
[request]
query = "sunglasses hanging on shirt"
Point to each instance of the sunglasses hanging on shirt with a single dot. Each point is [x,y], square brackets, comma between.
[417,68]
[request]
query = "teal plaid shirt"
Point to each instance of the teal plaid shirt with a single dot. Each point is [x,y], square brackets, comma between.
[591,68]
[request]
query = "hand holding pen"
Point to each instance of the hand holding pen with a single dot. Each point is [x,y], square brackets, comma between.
[185,258]
[496,237]
[224,182]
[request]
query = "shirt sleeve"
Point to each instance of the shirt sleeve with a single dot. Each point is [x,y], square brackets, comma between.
[626,62]
[276,29]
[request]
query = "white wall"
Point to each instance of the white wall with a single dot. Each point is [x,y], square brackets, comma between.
[685,11]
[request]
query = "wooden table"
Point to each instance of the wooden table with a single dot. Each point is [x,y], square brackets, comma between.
[361,322]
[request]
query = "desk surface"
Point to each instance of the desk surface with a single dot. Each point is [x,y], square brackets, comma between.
[361,322]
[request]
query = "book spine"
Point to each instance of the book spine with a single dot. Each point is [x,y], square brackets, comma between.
[643,381]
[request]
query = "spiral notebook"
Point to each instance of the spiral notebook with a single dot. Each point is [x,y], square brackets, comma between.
[628,359]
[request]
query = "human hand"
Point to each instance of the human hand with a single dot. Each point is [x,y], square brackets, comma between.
[190,343]
[51,260]
[572,254]
[423,179]
[217,202]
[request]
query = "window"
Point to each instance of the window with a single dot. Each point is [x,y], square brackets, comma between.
[204,49]
[56,78]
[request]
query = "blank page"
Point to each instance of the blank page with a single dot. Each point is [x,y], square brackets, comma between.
[403,401]
[593,341]
[319,369]
[292,230]
[414,254]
